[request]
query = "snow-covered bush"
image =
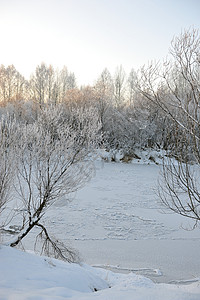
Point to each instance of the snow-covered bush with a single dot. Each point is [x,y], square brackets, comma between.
[8,136]
[53,160]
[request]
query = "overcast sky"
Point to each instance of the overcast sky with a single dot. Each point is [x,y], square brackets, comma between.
[89,35]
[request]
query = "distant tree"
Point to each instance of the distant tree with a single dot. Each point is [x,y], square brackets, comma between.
[39,84]
[131,87]
[104,95]
[104,85]
[13,85]
[119,86]
[49,85]
[67,82]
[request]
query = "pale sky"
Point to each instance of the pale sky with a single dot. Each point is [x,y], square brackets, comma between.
[89,35]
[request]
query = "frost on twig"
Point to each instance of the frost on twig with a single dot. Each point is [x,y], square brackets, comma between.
[53,160]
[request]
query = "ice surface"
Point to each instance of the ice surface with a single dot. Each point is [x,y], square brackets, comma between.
[118,220]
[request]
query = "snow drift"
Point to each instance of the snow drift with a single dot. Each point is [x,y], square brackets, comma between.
[27,276]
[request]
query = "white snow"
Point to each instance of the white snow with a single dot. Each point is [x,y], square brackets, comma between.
[26,276]
[118,225]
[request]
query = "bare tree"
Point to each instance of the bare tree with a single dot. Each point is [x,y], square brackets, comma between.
[39,84]
[104,95]
[13,85]
[119,86]
[53,155]
[67,82]
[49,85]
[175,88]
[131,87]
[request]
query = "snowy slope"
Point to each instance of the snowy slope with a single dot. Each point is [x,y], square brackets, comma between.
[27,276]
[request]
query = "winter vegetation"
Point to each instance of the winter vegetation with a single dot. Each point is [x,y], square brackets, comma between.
[52,131]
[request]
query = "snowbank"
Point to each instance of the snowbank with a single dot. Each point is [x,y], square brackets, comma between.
[27,276]
[147,156]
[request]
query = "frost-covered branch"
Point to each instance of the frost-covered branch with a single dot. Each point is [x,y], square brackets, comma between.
[54,159]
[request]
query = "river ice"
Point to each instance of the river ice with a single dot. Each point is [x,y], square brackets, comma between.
[117,221]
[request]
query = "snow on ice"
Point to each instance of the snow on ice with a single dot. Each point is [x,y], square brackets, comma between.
[118,225]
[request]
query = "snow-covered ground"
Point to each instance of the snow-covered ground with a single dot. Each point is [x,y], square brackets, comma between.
[26,276]
[117,223]
[118,220]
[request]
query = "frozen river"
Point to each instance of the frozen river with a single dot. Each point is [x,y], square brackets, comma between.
[117,221]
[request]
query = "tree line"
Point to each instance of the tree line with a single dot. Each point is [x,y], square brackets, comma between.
[128,119]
